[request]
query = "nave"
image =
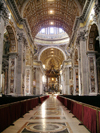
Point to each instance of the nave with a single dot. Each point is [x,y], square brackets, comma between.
[49,117]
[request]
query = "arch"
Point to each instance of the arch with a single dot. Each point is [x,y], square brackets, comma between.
[51,47]
[94,59]
[13,42]
[93,34]
[9,62]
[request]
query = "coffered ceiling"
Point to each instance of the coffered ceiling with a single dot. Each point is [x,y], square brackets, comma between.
[44,13]
[52,56]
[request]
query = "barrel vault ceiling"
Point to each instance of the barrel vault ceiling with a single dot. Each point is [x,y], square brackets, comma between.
[52,57]
[38,15]
[45,13]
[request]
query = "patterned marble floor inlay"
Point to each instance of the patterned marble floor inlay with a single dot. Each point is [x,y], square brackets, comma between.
[51,109]
[39,117]
[49,112]
[49,117]
[48,127]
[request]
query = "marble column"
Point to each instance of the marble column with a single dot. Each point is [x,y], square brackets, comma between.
[19,90]
[3,18]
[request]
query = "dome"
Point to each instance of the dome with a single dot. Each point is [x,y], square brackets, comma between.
[52,36]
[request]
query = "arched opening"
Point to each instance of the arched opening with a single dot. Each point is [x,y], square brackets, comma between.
[52,57]
[97,49]
[95,46]
[9,46]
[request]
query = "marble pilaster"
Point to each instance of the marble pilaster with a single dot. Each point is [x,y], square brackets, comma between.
[62,83]
[23,71]
[31,76]
[41,83]
[75,79]
[81,40]
[79,67]
[79,72]
[92,73]
[27,90]
[37,80]
[19,90]
[30,73]
[67,81]
[12,77]
[65,78]
[6,80]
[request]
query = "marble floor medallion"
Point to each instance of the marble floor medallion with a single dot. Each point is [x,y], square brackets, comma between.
[51,112]
[48,127]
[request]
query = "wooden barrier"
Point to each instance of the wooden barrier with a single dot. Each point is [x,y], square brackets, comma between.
[12,111]
[88,115]
[43,98]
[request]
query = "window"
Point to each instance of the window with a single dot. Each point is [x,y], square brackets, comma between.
[60,30]
[51,30]
[42,31]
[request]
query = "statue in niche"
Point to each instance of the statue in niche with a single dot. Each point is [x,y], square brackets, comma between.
[6,45]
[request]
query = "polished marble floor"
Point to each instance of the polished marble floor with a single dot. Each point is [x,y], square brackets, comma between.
[49,117]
